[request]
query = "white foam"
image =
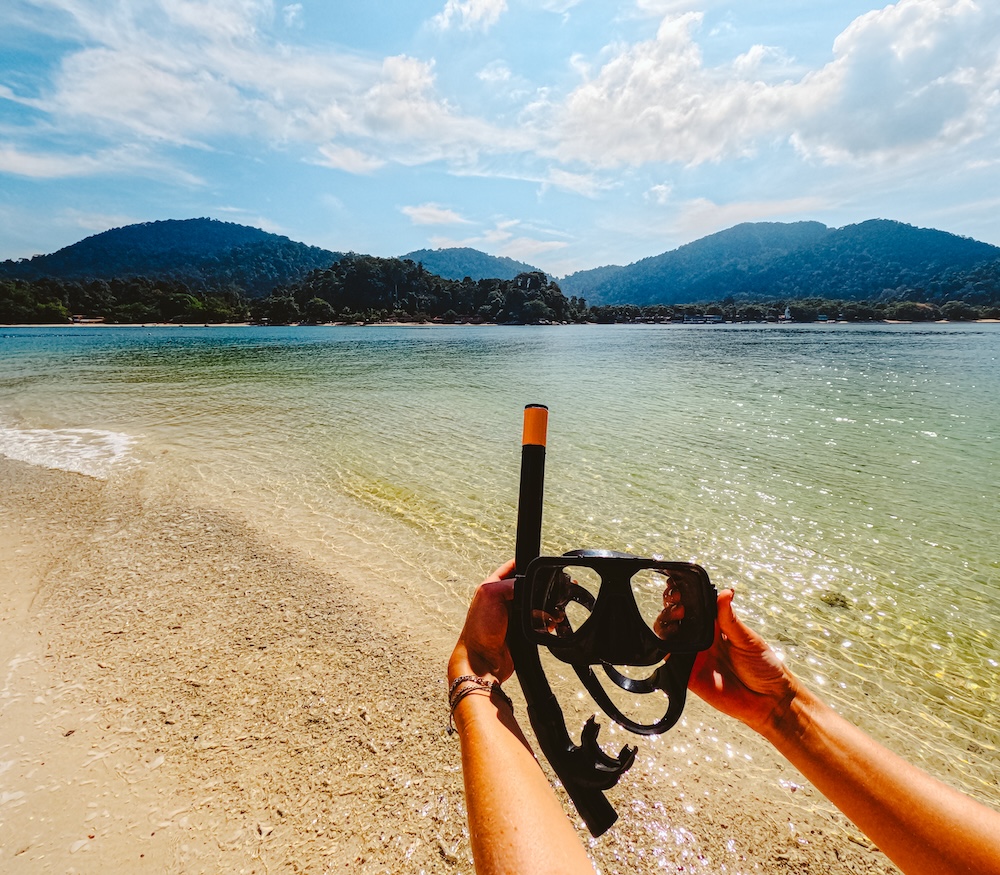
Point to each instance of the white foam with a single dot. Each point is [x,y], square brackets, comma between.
[86,451]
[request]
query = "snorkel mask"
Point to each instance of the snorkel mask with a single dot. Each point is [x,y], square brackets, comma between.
[598,611]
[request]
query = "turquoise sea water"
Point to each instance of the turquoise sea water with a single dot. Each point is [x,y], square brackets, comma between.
[845,478]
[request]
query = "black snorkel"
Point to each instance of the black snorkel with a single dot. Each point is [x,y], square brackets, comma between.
[614,633]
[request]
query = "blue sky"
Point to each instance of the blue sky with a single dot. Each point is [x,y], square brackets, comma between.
[565,133]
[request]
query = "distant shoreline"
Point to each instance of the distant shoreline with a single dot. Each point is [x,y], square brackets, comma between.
[87,325]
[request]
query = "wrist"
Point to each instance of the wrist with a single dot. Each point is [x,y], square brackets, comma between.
[468,686]
[459,665]
[791,718]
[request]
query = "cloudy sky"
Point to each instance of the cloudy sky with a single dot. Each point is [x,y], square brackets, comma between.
[564,133]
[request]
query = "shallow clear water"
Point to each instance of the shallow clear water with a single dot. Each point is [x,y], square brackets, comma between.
[845,478]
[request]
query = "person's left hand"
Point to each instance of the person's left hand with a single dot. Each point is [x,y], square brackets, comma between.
[482,646]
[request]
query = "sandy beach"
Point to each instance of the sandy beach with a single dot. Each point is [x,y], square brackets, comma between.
[178,695]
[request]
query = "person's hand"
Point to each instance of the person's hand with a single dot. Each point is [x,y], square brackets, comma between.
[741,675]
[669,619]
[482,646]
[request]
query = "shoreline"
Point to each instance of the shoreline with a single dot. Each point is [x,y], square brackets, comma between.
[204,699]
[431,324]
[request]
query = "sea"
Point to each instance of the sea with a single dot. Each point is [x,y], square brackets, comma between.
[844,478]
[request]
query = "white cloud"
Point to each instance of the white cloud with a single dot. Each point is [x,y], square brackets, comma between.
[204,75]
[220,19]
[559,6]
[702,216]
[660,194]
[292,15]
[348,159]
[528,248]
[494,72]
[586,184]
[656,101]
[502,240]
[154,96]
[917,75]
[660,8]
[761,61]
[95,223]
[470,14]
[36,165]
[906,79]
[433,214]
[402,112]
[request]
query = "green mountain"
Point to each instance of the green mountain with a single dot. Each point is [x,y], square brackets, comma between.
[204,254]
[460,262]
[203,269]
[797,260]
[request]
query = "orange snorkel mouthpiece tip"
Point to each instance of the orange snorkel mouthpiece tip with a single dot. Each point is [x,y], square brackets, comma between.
[536,423]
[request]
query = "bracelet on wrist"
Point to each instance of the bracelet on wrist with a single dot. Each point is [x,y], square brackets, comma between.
[473,684]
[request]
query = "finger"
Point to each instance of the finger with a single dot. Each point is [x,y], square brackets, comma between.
[671,597]
[664,628]
[675,612]
[668,620]
[502,588]
[545,620]
[503,572]
[670,614]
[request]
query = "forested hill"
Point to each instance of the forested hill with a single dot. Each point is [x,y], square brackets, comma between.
[797,260]
[460,262]
[204,254]
[204,270]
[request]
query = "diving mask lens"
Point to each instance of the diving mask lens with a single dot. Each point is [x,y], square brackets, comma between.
[562,600]
[660,600]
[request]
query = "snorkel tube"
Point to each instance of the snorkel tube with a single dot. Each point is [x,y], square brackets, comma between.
[585,770]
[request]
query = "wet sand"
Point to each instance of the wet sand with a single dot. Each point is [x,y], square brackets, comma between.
[180,695]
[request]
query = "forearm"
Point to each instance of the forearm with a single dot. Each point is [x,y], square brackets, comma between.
[516,823]
[921,824]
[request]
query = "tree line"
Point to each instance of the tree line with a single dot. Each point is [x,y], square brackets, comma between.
[363,288]
[128,300]
[356,288]
[800,310]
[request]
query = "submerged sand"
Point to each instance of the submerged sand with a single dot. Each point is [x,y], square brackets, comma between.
[179,695]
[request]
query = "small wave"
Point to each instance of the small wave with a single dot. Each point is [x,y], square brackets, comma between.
[87,451]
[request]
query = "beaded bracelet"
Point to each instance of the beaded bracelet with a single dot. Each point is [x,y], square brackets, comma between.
[479,685]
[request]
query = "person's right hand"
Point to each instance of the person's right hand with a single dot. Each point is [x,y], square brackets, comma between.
[741,675]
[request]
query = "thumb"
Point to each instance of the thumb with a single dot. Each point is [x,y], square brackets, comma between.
[730,625]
